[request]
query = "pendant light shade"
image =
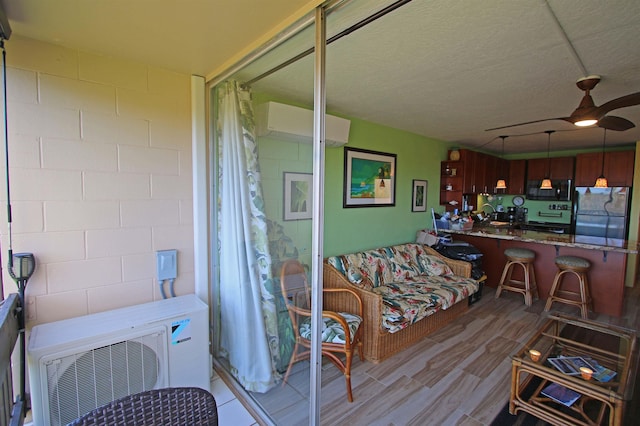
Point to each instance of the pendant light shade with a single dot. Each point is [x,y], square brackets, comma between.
[546,182]
[601,181]
[502,184]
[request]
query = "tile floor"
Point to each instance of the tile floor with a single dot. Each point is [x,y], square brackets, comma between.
[230,411]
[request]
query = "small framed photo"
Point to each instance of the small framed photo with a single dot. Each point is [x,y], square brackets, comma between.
[298,191]
[369,178]
[419,198]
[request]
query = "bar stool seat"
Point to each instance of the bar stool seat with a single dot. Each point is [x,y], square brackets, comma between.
[527,287]
[581,298]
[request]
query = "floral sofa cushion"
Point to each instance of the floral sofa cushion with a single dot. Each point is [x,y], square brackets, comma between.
[427,264]
[367,269]
[408,302]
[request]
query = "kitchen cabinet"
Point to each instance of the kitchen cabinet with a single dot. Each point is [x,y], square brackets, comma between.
[588,168]
[451,179]
[618,168]
[479,172]
[554,168]
[468,159]
[490,174]
[562,167]
[516,179]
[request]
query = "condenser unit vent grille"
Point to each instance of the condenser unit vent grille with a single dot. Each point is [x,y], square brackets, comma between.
[80,382]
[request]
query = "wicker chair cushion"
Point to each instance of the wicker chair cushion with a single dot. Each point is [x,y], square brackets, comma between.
[405,303]
[168,406]
[520,253]
[332,331]
[572,262]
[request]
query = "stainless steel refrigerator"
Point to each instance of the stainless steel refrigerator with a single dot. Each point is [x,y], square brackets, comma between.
[602,212]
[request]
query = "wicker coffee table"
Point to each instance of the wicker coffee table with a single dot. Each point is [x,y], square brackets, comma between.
[561,346]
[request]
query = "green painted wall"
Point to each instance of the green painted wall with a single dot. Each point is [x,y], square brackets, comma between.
[352,229]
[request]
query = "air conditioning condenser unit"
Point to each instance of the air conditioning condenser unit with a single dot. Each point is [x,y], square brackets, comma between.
[79,364]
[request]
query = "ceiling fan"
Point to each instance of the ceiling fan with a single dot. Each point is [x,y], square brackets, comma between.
[588,114]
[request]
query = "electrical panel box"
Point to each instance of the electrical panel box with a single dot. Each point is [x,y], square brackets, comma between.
[167,264]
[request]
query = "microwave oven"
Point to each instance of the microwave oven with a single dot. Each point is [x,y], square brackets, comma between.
[561,190]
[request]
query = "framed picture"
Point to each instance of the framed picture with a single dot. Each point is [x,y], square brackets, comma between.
[369,178]
[419,203]
[298,190]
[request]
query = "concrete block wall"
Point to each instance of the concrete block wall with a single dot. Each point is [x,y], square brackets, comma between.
[101,178]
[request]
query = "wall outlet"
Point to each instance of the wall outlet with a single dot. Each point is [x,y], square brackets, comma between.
[167,264]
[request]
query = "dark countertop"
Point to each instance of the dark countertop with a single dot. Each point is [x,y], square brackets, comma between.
[567,240]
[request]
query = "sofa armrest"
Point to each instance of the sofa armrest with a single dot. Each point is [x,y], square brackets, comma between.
[459,267]
[341,302]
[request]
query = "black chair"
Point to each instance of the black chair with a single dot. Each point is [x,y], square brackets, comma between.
[158,407]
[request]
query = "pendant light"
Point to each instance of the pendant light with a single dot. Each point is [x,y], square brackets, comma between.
[501,184]
[601,182]
[546,182]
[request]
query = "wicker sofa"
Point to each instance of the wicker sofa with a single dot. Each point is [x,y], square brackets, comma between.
[408,291]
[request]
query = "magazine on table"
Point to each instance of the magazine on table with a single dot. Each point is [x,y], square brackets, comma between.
[570,364]
[559,393]
[601,373]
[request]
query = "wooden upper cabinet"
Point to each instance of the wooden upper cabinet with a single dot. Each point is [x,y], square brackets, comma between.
[562,167]
[490,174]
[469,159]
[588,168]
[618,168]
[554,168]
[516,179]
[537,168]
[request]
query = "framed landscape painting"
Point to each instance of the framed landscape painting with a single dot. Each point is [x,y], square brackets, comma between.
[297,196]
[369,178]
[419,198]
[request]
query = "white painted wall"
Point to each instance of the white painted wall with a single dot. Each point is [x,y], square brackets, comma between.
[101,178]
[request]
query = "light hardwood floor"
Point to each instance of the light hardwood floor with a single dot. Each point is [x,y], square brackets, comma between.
[459,375]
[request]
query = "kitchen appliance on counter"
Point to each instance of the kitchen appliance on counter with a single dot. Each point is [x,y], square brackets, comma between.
[602,212]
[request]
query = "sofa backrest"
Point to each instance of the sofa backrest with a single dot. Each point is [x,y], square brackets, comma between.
[399,263]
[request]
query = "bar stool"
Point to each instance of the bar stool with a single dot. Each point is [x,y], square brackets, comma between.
[523,257]
[579,267]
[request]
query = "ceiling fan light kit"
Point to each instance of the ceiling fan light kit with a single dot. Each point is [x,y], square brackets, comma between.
[585,123]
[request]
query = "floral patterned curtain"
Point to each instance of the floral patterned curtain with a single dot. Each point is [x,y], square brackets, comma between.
[249,330]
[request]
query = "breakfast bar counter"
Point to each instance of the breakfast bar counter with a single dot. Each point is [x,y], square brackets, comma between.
[608,259]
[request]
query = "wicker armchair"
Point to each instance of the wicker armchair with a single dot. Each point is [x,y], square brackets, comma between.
[295,289]
[158,407]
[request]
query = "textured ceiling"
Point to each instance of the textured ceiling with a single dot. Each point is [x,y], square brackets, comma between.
[447,69]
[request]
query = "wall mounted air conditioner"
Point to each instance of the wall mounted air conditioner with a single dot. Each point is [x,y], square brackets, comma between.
[295,123]
[79,364]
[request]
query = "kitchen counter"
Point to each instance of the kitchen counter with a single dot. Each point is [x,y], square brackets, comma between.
[566,240]
[608,259]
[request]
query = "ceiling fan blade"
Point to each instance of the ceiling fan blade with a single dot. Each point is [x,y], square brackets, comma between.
[530,122]
[618,124]
[621,102]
